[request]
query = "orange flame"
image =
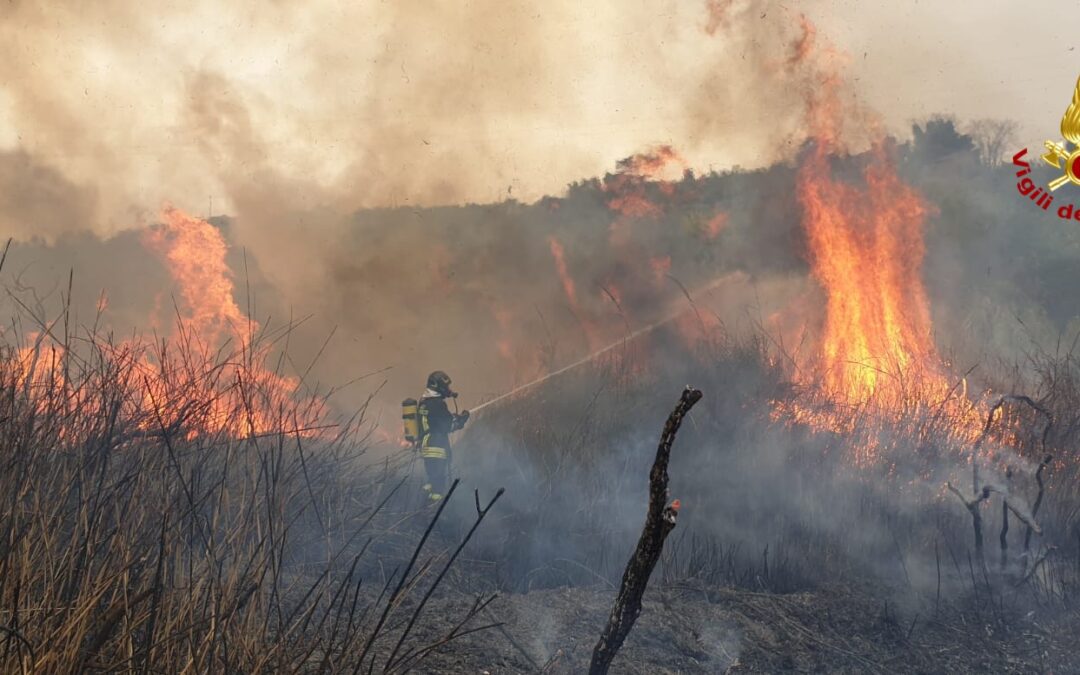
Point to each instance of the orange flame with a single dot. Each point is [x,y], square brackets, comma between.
[804,45]
[185,382]
[716,225]
[865,247]
[697,328]
[650,164]
[635,205]
[866,250]
[661,267]
[559,255]
[194,252]
[503,344]
[634,173]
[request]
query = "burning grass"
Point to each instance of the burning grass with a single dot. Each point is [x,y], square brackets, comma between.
[171,531]
[762,478]
[180,504]
[149,523]
[775,507]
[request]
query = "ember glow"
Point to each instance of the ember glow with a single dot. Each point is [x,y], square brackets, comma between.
[636,175]
[715,225]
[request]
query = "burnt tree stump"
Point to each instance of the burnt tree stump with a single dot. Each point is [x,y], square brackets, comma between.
[659,522]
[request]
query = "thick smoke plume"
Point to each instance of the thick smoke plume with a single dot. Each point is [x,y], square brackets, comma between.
[409,202]
[499,293]
[300,138]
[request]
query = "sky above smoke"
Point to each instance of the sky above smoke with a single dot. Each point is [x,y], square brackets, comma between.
[108,109]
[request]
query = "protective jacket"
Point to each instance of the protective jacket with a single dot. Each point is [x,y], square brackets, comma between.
[436,425]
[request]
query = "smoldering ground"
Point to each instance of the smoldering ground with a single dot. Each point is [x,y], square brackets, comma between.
[765,507]
[782,505]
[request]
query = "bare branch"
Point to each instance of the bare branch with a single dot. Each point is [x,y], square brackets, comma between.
[658,524]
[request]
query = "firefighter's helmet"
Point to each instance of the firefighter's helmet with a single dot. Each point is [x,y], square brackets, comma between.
[439,382]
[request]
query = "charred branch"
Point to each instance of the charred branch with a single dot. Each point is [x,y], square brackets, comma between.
[972,505]
[1024,518]
[1003,538]
[982,492]
[658,524]
[1015,398]
[1038,500]
[1036,565]
[989,424]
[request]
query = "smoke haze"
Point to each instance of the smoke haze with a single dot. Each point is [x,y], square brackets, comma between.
[383,104]
[346,143]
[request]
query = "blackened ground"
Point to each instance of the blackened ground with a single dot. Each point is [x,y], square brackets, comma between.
[693,629]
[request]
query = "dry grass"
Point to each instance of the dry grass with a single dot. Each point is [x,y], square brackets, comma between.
[166,508]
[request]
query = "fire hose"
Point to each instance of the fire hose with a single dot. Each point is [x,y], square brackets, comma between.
[626,339]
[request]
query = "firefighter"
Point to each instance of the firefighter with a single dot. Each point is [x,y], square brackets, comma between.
[436,425]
